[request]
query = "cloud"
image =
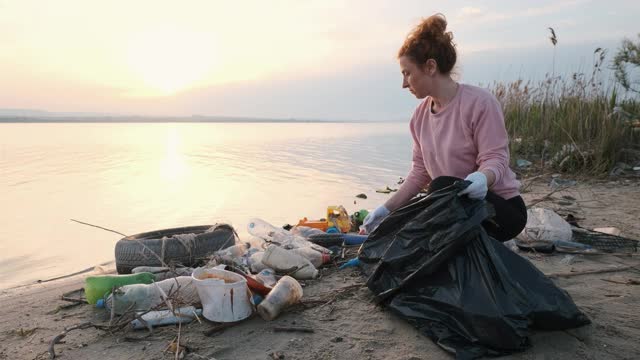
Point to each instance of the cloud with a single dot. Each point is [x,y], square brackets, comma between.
[473,15]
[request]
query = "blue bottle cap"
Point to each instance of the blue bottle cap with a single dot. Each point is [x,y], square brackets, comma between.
[257,299]
[333,230]
[100,303]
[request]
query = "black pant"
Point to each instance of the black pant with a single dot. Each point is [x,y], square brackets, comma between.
[511,215]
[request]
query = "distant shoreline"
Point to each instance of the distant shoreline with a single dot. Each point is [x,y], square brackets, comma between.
[133,119]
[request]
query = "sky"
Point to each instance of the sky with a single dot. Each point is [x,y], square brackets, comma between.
[325,59]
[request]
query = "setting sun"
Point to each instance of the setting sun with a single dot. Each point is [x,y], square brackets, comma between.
[167,61]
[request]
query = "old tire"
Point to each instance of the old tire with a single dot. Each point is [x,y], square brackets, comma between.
[136,250]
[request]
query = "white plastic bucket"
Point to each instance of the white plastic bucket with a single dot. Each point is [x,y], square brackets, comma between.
[224,295]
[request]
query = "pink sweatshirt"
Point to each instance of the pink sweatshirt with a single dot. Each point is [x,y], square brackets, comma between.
[467,135]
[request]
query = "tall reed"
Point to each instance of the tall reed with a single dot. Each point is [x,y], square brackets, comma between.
[574,123]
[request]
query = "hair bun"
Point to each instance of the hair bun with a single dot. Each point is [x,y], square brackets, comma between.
[434,29]
[430,39]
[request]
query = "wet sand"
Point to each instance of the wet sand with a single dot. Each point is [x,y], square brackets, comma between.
[347,325]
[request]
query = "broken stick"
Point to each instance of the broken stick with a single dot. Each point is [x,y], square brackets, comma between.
[586,272]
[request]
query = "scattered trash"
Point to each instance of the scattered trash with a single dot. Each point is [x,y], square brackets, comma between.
[361,196]
[620,169]
[185,245]
[609,230]
[285,261]
[153,319]
[567,260]
[233,253]
[99,287]
[544,225]
[351,263]
[255,262]
[327,240]
[267,277]
[144,297]
[573,247]
[224,295]
[557,183]
[305,231]
[605,242]
[521,163]
[271,234]
[162,273]
[286,293]
[357,218]
[386,190]
[565,154]
[317,224]
[338,217]
[511,245]
[316,257]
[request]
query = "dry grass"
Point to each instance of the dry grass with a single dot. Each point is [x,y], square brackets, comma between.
[570,124]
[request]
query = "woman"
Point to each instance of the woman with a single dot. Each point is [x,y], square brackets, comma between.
[458,132]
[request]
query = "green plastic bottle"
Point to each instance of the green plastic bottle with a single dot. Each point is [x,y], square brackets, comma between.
[99,287]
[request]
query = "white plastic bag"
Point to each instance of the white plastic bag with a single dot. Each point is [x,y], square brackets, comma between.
[546,226]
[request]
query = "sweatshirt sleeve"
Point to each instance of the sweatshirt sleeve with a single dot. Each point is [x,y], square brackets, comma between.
[491,139]
[418,177]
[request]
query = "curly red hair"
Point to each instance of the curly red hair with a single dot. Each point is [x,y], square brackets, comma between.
[430,40]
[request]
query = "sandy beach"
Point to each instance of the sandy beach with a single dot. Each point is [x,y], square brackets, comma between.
[346,324]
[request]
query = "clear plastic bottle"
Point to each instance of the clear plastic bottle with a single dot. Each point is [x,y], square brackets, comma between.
[143,297]
[267,277]
[317,258]
[234,252]
[306,231]
[166,317]
[286,293]
[255,262]
[282,260]
[267,232]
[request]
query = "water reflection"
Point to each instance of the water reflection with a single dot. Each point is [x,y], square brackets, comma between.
[139,177]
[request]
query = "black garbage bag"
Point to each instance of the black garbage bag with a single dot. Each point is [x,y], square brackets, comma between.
[432,263]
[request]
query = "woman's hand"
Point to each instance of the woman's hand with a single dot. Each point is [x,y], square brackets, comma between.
[373,219]
[478,187]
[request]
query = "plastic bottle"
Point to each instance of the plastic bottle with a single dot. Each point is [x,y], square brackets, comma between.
[328,240]
[182,315]
[255,262]
[286,292]
[305,231]
[98,287]
[282,260]
[351,263]
[270,233]
[316,257]
[233,252]
[267,277]
[142,297]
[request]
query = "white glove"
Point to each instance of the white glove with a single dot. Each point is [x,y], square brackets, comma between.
[478,188]
[374,218]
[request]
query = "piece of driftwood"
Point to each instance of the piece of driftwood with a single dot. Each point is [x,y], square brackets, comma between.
[293,329]
[57,338]
[587,272]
